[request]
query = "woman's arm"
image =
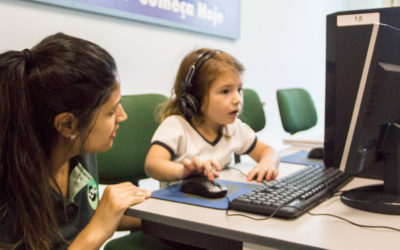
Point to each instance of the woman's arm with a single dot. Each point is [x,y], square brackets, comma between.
[268,162]
[112,206]
[129,223]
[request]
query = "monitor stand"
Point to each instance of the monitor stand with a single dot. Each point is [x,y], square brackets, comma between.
[384,198]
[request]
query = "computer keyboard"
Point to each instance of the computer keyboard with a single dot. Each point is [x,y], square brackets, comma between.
[292,195]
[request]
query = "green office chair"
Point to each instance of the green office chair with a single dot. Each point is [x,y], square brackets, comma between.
[297,109]
[125,161]
[252,113]
[253,110]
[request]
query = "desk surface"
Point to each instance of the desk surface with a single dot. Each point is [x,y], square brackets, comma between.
[307,230]
[304,140]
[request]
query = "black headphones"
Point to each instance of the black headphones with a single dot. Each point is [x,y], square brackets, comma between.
[189,105]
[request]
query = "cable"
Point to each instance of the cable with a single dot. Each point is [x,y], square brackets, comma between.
[312,214]
[245,215]
[238,169]
[244,174]
[349,221]
[393,27]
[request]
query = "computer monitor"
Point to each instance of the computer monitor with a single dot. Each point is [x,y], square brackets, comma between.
[362,113]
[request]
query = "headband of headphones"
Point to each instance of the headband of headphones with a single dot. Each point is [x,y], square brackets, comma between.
[201,59]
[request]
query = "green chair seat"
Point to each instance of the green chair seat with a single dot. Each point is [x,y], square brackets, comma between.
[136,241]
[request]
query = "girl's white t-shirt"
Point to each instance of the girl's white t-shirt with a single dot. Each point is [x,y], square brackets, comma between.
[182,140]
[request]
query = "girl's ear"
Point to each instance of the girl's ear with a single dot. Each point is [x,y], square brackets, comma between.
[204,104]
[66,124]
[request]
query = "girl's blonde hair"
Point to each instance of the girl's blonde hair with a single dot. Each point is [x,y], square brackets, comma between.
[201,82]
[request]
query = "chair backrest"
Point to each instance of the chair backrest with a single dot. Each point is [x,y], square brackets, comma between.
[253,111]
[125,160]
[297,109]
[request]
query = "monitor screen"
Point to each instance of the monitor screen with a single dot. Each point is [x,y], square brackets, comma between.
[362,114]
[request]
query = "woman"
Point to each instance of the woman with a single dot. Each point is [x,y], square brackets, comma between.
[58,102]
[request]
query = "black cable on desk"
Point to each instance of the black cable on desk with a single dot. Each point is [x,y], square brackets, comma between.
[310,213]
[238,169]
[349,221]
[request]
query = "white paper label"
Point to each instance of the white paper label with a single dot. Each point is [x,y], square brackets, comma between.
[358,19]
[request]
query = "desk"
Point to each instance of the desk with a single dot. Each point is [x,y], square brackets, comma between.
[212,228]
[306,141]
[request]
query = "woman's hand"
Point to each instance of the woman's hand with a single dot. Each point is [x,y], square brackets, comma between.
[114,202]
[208,168]
[112,206]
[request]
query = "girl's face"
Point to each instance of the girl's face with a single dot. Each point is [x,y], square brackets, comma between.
[224,100]
[102,133]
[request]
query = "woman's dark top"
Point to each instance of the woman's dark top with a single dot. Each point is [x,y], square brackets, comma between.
[74,212]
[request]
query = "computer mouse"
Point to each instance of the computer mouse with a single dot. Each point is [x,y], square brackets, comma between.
[202,186]
[316,153]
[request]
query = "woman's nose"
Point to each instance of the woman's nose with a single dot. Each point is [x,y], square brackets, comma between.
[122,116]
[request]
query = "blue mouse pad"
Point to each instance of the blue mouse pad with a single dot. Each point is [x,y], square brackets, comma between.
[235,189]
[301,158]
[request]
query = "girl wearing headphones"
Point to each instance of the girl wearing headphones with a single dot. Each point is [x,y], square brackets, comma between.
[59,101]
[200,130]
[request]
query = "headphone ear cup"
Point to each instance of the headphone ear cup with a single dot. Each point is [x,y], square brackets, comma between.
[194,104]
[189,105]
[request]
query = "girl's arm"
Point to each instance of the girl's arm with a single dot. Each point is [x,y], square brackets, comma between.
[268,162]
[159,166]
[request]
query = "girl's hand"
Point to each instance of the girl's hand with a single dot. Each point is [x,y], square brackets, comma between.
[207,168]
[268,163]
[263,171]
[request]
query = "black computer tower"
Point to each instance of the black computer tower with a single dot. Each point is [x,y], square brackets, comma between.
[346,50]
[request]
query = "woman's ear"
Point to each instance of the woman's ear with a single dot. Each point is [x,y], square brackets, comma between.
[66,124]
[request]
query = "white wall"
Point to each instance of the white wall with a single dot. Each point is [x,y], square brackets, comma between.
[364,4]
[282,44]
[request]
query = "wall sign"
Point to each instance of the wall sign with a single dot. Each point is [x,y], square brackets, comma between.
[214,17]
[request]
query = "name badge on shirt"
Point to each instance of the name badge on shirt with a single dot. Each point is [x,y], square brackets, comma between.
[93,194]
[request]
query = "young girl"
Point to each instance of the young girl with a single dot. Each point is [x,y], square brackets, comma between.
[58,101]
[200,130]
